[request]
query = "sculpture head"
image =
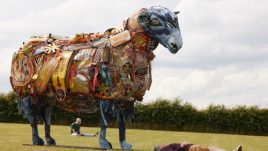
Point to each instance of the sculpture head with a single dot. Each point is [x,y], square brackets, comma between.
[162,25]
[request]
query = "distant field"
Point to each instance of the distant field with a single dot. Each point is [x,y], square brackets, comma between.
[12,137]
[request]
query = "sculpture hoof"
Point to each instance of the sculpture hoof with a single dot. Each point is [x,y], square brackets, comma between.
[239,148]
[104,144]
[125,145]
[50,141]
[38,141]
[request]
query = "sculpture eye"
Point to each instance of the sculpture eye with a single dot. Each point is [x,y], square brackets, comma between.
[155,22]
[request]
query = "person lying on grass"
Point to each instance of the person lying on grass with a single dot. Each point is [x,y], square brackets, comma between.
[189,147]
[75,129]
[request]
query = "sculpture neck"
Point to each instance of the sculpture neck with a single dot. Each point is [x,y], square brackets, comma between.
[139,38]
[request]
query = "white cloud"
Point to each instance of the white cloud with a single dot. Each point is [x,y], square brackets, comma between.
[230,85]
[223,59]
[224,56]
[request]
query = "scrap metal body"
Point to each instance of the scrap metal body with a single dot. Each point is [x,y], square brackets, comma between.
[113,66]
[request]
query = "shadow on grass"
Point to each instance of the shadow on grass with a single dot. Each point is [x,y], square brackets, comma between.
[74,147]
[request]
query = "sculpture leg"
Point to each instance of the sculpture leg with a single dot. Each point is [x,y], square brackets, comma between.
[30,112]
[46,116]
[122,131]
[104,119]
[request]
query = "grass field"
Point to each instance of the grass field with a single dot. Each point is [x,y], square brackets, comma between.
[12,137]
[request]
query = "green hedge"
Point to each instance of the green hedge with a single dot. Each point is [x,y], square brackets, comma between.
[165,115]
[8,108]
[176,115]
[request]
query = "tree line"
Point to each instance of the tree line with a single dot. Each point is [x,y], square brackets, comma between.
[163,114]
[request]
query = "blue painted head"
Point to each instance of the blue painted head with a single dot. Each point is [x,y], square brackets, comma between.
[162,25]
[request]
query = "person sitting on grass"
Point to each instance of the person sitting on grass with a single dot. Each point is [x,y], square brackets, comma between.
[75,129]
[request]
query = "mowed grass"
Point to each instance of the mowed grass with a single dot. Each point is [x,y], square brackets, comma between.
[12,136]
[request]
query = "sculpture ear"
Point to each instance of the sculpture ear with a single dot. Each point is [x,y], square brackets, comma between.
[177,12]
[143,19]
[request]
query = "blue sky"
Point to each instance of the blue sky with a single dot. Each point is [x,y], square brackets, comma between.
[223,59]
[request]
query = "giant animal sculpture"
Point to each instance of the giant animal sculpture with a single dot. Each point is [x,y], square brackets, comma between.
[104,72]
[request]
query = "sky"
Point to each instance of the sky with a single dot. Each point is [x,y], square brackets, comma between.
[224,58]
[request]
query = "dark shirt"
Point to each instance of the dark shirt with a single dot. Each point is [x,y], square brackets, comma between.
[176,147]
[75,128]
